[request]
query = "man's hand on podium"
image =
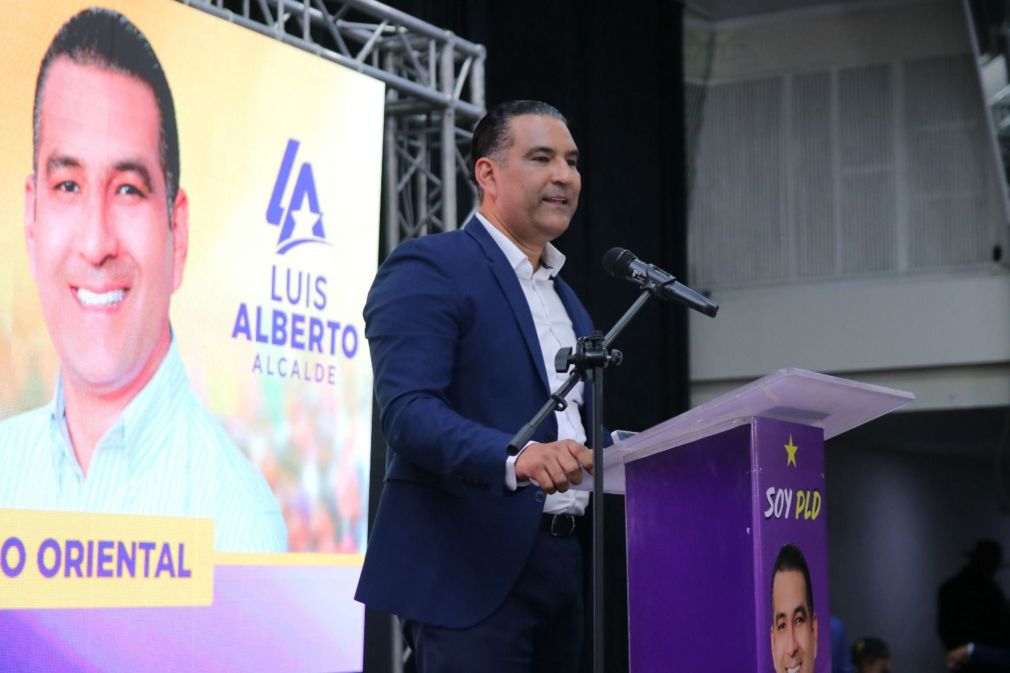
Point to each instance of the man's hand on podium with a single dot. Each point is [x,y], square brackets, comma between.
[555,465]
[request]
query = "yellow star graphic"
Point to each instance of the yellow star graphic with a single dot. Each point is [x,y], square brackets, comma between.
[791,450]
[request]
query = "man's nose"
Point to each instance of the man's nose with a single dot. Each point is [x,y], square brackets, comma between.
[97,238]
[562,171]
[791,643]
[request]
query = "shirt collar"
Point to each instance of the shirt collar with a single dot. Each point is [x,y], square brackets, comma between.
[161,394]
[550,262]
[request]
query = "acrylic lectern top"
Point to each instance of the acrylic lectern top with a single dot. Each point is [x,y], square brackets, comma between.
[795,395]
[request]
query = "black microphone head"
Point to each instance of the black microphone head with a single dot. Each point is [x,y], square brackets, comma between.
[617,260]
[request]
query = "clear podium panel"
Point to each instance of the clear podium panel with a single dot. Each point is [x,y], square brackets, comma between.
[832,404]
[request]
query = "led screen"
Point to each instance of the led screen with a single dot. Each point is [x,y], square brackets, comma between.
[185,390]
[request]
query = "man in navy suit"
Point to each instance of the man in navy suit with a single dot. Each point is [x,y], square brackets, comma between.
[472,549]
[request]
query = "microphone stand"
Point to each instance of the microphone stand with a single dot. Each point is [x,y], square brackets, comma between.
[591,355]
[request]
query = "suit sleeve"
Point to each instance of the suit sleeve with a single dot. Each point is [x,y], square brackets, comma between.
[414,318]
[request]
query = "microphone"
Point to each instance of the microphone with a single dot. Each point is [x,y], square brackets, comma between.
[622,263]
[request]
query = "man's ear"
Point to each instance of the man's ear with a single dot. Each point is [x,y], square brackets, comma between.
[30,222]
[180,236]
[485,171]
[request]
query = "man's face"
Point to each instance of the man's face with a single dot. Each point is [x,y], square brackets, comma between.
[102,250]
[534,190]
[794,629]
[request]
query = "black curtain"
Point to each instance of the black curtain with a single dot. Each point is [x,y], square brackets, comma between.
[616,72]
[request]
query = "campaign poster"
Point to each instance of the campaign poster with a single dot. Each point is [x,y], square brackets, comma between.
[791,561]
[730,529]
[218,521]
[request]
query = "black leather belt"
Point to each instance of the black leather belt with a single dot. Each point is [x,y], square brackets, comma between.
[559,525]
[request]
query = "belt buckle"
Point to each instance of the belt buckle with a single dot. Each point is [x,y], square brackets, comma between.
[559,530]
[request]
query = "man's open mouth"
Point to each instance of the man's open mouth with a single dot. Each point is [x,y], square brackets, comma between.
[105,299]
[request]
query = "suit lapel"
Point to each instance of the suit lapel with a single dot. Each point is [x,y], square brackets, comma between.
[582,326]
[580,320]
[509,284]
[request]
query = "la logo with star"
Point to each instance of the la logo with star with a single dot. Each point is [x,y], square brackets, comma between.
[302,220]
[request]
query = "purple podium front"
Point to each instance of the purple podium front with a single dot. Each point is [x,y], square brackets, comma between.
[714,499]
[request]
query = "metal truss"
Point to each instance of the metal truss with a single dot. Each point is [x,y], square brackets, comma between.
[434,95]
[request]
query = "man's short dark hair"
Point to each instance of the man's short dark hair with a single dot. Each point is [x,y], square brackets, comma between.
[867,650]
[106,39]
[491,136]
[791,558]
[986,556]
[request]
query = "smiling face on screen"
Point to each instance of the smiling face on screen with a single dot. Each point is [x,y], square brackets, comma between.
[106,249]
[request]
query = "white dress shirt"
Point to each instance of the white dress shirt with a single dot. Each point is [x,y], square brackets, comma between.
[554,331]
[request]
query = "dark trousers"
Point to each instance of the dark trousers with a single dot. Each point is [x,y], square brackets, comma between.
[538,629]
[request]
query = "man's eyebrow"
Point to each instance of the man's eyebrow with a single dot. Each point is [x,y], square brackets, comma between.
[127,166]
[137,167]
[800,610]
[550,150]
[61,161]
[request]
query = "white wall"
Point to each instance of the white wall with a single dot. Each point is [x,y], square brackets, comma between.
[945,338]
[827,262]
[845,34]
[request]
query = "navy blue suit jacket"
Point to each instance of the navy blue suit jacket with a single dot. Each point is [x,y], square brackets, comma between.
[458,370]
